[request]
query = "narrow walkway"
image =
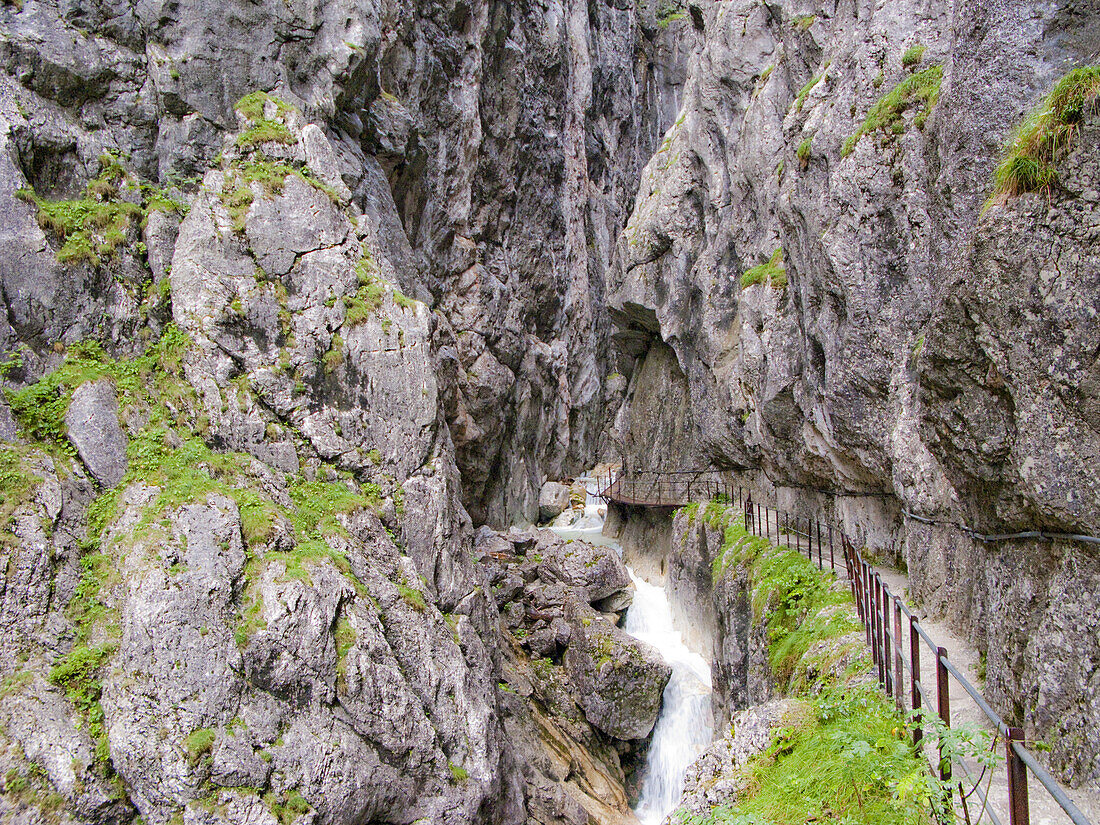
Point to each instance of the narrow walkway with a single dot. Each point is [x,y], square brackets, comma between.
[1043,809]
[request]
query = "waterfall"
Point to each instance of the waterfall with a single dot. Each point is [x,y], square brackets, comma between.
[685,724]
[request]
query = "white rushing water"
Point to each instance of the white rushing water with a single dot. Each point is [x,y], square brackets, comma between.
[685,725]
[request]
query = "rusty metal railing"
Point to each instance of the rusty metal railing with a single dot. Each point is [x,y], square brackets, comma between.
[883,615]
[896,659]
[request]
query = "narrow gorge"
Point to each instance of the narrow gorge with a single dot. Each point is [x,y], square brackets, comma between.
[324,322]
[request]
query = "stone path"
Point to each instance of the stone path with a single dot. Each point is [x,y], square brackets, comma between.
[1044,810]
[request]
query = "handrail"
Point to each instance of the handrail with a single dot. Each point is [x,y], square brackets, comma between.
[880,610]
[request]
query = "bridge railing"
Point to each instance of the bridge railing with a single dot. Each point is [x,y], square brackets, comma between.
[664,488]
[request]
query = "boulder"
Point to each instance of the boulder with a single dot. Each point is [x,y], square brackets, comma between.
[619,679]
[553,500]
[93,428]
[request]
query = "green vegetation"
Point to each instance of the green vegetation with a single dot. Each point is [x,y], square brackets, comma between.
[411,596]
[287,806]
[368,298]
[198,743]
[91,229]
[345,637]
[917,90]
[332,359]
[842,754]
[913,56]
[805,149]
[238,192]
[803,24]
[1027,165]
[772,272]
[669,11]
[458,773]
[263,129]
[17,485]
[800,101]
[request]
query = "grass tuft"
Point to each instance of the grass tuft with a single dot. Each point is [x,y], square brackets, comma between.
[772,272]
[913,56]
[920,90]
[1027,164]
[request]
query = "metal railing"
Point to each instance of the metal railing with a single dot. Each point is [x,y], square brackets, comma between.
[881,612]
[896,660]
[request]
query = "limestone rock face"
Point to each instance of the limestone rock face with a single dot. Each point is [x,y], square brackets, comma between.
[620,678]
[902,353]
[553,500]
[93,428]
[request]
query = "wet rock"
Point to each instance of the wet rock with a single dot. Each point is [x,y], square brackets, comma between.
[620,679]
[93,428]
[714,779]
[553,500]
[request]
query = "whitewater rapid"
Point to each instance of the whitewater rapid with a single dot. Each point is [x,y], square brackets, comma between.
[685,725]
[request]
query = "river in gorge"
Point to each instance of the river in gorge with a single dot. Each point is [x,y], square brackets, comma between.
[685,725]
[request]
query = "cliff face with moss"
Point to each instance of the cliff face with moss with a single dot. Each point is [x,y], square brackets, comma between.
[817,295]
[296,294]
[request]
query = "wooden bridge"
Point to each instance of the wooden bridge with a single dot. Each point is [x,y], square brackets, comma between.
[659,488]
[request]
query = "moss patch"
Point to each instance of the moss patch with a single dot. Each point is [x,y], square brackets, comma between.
[773,272]
[91,229]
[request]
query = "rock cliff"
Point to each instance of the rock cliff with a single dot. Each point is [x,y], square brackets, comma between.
[815,296]
[297,293]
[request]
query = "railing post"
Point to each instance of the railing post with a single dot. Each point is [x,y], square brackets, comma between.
[748,513]
[832,561]
[820,560]
[899,690]
[887,640]
[1018,813]
[943,700]
[914,679]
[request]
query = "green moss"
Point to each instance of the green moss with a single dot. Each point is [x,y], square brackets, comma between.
[267,131]
[252,106]
[913,56]
[844,759]
[920,90]
[270,176]
[17,486]
[199,743]
[772,272]
[412,597]
[805,149]
[804,23]
[345,637]
[1027,163]
[668,12]
[332,359]
[91,229]
[458,773]
[287,807]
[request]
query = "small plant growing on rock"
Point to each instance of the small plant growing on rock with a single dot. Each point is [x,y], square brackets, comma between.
[1045,135]
[912,56]
[805,149]
[771,272]
[918,90]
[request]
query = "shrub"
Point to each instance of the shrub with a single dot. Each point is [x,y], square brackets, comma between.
[1045,134]
[805,149]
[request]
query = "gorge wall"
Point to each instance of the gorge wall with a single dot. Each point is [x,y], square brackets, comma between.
[891,348]
[297,293]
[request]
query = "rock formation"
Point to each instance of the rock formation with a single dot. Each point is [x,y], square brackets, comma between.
[296,295]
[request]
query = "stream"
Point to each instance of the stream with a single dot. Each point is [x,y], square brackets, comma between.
[684,726]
